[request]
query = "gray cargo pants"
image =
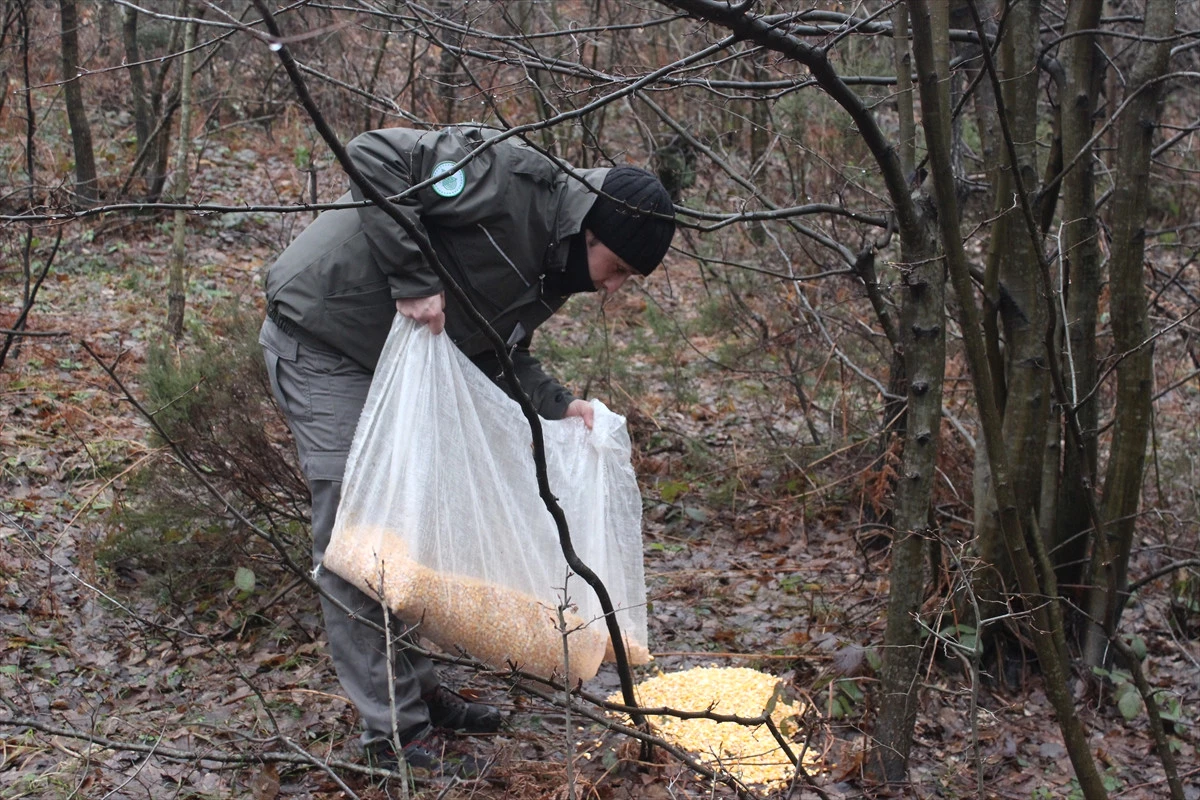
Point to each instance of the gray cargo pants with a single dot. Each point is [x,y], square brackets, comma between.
[322,393]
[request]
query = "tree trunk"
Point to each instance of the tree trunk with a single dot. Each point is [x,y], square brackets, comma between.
[923,344]
[1080,275]
[150,131]
[142,121]
[1025,313]
[1131,332]
[542,86]
[104,31]
[163,105]
[447,75]
[902,58]
[759,134]
[988,584]
[923,314]
[86,184]
[376,66]
[1025,405]
[13,343]
[177,280]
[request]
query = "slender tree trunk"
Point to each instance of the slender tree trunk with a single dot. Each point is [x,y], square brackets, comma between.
[104,14]
[923,347]
[30,125]
[902,58]
[527,24]
[984,593]
[447,76]
[893,417]
[759,134]
[988,584]
[177,280]
[163,105]
[86,183]
[1025,315]
[1081,265]
[143,122]
[377,63]
[1131,332]
[13,343]
[1022,307]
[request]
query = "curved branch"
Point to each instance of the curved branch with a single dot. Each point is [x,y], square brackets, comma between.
[765,34]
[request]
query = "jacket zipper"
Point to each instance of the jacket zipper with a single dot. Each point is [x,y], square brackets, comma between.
[503,255]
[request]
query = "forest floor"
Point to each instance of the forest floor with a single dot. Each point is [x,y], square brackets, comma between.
[119,683]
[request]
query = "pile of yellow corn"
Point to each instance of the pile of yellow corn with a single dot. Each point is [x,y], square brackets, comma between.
[749,753]
[493,623]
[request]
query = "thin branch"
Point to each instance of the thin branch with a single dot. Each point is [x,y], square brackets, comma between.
[176,754]
[18,328]
[1140,346]
[1158,573]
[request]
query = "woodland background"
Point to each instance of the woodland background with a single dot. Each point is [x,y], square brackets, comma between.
[914,397]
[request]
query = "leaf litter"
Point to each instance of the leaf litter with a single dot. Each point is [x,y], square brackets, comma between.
[779,588]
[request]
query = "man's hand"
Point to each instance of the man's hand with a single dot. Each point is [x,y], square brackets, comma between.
[582,409]
[428,310]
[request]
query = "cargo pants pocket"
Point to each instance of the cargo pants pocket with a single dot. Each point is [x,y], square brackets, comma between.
[290,386]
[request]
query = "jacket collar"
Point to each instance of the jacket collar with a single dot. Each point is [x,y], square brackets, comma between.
[576,200]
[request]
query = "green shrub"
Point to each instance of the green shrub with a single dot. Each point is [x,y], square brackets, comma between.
[211,403]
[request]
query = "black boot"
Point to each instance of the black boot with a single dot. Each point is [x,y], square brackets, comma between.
[451,711]
[426,755]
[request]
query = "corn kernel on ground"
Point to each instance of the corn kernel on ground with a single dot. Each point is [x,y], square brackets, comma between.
[493,623]
[750,754]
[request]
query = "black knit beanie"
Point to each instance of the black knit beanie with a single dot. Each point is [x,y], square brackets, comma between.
[639,238]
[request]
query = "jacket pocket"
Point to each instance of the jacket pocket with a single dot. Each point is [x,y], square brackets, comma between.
[365,296]
[368,306]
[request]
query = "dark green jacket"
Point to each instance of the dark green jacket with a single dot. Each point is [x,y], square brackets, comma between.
[498,225]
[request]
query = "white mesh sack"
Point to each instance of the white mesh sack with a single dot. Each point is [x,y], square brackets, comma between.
[441,517]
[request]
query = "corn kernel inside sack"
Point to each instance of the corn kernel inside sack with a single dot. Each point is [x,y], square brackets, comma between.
[749,753]
[495,624]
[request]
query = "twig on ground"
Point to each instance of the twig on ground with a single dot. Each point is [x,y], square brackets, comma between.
[135,773]
[22,332]
[171,753]
[321,765]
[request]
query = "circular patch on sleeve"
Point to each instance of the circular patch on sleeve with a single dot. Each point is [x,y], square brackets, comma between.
[451,185]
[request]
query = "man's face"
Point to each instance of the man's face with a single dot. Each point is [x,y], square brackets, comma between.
[608,271]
